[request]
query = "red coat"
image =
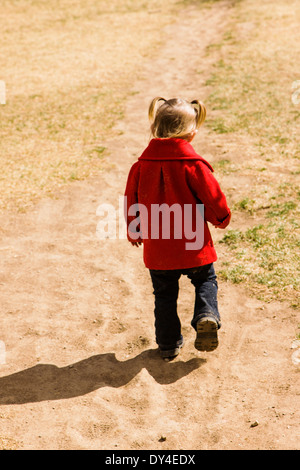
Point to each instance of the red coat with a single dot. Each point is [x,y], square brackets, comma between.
[170,172]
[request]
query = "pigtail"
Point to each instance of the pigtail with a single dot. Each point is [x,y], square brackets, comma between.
[200,112]
[152,107]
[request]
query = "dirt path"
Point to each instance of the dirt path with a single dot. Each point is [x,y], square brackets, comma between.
[82,370]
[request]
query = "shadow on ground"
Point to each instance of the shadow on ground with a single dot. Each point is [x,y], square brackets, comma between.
[49,382]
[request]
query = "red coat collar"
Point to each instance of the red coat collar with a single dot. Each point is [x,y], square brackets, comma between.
[171,149]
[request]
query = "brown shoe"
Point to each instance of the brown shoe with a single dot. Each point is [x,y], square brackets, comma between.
[207,334]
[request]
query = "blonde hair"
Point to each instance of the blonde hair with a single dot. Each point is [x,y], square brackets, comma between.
[175,117]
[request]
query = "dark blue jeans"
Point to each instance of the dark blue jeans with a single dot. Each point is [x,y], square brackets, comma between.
[166,289]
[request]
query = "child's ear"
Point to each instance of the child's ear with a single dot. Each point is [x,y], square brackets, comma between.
[191,135]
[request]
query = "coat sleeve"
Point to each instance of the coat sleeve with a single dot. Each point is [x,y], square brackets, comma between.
[131,204]
[208,191]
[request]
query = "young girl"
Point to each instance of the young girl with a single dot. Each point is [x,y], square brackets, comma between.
[169,190]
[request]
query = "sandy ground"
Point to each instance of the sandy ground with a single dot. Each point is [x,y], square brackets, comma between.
[82,369]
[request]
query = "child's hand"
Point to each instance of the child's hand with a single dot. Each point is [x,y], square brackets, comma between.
[225,222]
[139,243]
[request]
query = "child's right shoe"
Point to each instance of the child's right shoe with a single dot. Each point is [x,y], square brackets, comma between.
[207,334]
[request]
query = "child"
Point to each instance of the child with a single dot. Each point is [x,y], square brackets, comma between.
[166,189]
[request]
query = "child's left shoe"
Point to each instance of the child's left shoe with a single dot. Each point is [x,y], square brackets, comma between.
[170,354]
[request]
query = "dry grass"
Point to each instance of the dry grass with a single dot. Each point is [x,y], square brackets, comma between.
[68,66]
[251,99]
[256,66]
